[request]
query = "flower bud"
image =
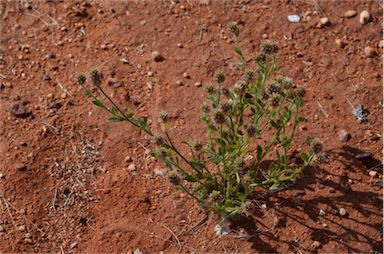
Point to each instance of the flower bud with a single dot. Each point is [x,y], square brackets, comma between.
[219,118]
[234,28]
[96,77]
[81,79]
[269,48]
[219,77]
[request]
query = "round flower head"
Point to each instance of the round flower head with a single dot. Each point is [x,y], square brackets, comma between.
[174,178]
[251,130]
[269,48]
[215,197]
[163,117]
[239,87]
[274,100]
[197,146]
[81,79]
[96,77]
[219,77]
[234,28]
[261,59]
[273,88]
[226,106]
[219,118]
[210,89]
[205,108]
[226,92]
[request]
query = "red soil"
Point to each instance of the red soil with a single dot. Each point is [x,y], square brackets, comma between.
[69,198]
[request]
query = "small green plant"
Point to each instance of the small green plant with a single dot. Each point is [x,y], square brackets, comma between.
[256,117]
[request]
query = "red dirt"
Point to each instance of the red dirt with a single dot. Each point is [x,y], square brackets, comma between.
[69,198]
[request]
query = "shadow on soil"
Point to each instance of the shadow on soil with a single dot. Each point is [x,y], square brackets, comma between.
[300,204]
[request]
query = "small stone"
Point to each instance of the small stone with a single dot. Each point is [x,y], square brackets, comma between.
[127,159]
[157,56]
[369,51]
[114,83]
[372,173]
[324,225]
[50,96]
[365,17]
[1,175]
[2,229]
[350,14]
[344,135]
[27,235]
[293,18]
[316,244]
[160,171]
[198,84]
[325,21]
[179,45]
[28,240]
[137,251]
[321,212]
[63,96]
[143,22]
[131,167]
[186,75]
[150,74]
[20,167]
[21,228]
[55,105]
[179,82]
[19,110]
[340,43]
[104,47]
[381,44]
[342,211]
[73,245]
[303,128]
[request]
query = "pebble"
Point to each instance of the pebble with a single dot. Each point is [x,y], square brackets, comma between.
[293,18]
[325,21]
[365,17]
[381,44]
[179,82]
[342,211]
[157,56]
[19,110]
[114,83]
[63,96]
[150,74]
[143,22]
[137,251]
[20,167]
[198,84]
[369,51]
[340,43]
[350,14]
[103,47]
[131,167]
[316,244]
[55,105]
[179,45]
[73,245]
[372,173]
[160,171]
[344,135]
[321,212]
[21,228]
[186,75]
[1,229]
[27,235]
[1,175]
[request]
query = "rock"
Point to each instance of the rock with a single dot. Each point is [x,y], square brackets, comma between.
[350,14]
[143,22]
[131,167]
[2,229]
[198,84]
[73,245]
[179,82]
[204,2]
[365,17]
[21,111]
[104,47]
[20,167]
[27,235]
[361,156]
[325,21]
[114,83]
[369,51]
[344,135]
[293,18]
[321,212]
[372,173]
[342,211]
[28,240]
[186,75]
[340,43]
[1,175]
[160,171]
[63,96]
[137,251]
[381,44]
[179,45]
[157,56]
[55,105]
[316,244]
[21,228]
[150,74]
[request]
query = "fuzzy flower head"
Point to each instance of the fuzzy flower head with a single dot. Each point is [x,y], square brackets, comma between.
[219,77]
[219,117]
[96,77]
[239,88]
[273,88]
[163,117]
[197,146]
[205,108]
[226,92]
[81,78]
[315,145]
[251,130]
[227,106]
[261,59]
[174,178]
[215,197]
[269,48]
[210,89]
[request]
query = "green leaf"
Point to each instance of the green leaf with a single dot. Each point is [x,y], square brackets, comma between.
[115,119]
[190,179]
[259,152]
[238,50]
[304,157]
[98,103]
[179,187]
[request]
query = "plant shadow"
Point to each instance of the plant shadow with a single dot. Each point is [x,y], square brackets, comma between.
[298,208]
